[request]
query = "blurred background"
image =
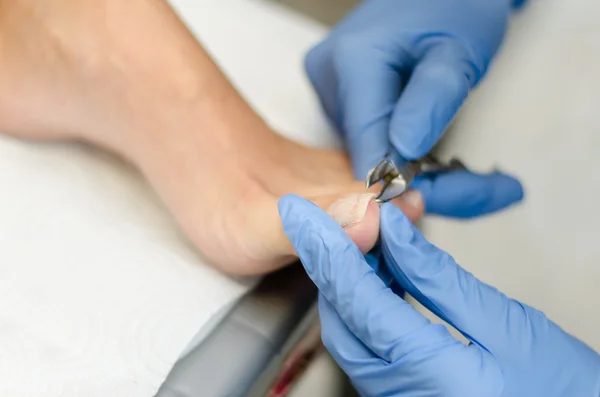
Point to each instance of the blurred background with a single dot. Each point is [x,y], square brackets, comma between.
[327,12]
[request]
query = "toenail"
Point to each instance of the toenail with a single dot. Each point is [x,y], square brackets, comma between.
[350,209]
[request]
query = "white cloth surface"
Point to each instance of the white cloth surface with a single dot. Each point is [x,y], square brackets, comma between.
[99,291]
[537,116]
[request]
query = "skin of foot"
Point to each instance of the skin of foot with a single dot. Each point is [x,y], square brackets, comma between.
[129,77]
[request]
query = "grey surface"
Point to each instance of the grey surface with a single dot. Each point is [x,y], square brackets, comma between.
[242,354]
[325,11]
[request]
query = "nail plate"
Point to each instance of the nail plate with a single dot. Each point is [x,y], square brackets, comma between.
[351,209]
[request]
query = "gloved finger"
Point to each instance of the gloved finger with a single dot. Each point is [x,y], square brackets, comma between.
[462,194]
[375,259]
[353,357]
[368,308]
[438,86]
[369,86]
[345,348]
[431,276]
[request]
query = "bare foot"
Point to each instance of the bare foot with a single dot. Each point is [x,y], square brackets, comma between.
[155,97]
[234,220]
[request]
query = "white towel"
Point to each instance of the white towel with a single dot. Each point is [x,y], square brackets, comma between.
[99,291]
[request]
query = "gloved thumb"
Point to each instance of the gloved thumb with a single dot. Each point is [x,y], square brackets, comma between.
[438,86]
[480,312]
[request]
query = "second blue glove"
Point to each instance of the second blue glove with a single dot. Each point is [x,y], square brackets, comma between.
[394,73]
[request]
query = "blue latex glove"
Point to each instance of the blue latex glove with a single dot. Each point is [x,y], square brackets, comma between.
[389,349]
[394,73]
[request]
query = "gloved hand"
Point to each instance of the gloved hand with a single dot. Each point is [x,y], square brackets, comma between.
[394,73]
[389,349]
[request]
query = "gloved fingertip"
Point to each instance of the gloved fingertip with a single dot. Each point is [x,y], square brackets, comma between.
[411,130]
[504,191]
[412,144]
[366,151]
[290,205]
[466,195]
[513,188]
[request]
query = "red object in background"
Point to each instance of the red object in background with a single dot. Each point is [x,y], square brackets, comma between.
[297,362]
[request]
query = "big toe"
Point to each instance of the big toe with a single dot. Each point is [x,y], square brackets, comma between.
[358,214]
